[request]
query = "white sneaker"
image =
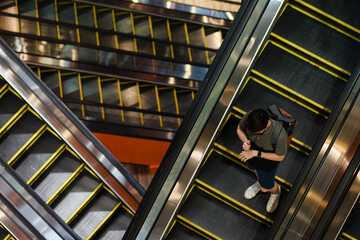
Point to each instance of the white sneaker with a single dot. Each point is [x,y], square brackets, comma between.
[252,191]
[273,202]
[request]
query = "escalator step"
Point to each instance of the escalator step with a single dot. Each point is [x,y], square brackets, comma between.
[289,167]
[180,232]
[232,180]
[309,124]
[223,220]
[94,214]
[352,224]
[18,135]
[318,38]
[56,175]
[74,195]
[9,105]
[117,225]
[346,11]
[300,76]
[37,155]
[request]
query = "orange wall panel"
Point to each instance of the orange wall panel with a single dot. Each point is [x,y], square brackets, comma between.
[135,150]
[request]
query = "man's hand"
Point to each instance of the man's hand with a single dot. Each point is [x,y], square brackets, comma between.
[246,145]
[246,155]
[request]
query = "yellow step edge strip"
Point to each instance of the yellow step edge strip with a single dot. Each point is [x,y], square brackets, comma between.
[66,184]
[281,86]
[323,22]
[205,44]
[235,158]
[328,16]
[310,53]
[196,228]
[158,105]
[47,164]
[348,236]
[84,204]
[128,210]
[27,145]
[176,105]
[14,119]
[288,97]
[103,222]
[3,89]
[307,60]
[101,97]
[232,202]
[120,100]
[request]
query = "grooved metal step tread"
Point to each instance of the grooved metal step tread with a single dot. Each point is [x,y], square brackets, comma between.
[309,124]
[19,134]
[300,76]
[56,175]
[223,221]
[9,105]
[37,155]
[117,225]
[94,214]
[181,232]
[318,38]
[346,11]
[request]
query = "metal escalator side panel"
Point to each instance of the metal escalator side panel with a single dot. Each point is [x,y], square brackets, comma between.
[230,76]
[25,82]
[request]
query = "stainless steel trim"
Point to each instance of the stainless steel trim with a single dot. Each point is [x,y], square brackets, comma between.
[30,209]
[161,12]
[232,77]
[326,173]
[344,211]
[22,79]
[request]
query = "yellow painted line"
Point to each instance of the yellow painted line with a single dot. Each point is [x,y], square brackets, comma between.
[170,39]
[4,90]
[120,100]
[205,45]
[288,97]
[196,227]
[54,133]
[13,119]
[239,110]
[158,104]
[27,145]
[76,23]
[233,203]
[17,12]
[133,31]
[291,91]
[152,35]
[348,236]
[47,164]
[81,95]
[176,105]
[308,61]
[103,222]
[310,54]
[139,100]
[84,204]
[37,17]
[96,26]
[187,40]
[101,97]
[115,29]
[66,184]
[325,23]
[127,209]
[329,16]
[60,85]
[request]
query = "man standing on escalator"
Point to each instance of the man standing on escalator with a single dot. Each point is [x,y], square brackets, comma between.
[256,131]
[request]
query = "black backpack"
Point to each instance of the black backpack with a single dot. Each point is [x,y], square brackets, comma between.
[288,122]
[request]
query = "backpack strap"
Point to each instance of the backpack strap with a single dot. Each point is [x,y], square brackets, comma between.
[276,133]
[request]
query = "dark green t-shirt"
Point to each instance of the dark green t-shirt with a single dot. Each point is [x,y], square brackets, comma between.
[264,142]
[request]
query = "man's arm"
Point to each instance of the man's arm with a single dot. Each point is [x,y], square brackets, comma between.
[242,135]
[246,155]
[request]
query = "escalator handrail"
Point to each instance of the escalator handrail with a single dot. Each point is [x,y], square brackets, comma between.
[67,125]
[23,206]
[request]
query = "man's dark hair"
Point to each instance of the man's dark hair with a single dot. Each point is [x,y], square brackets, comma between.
[257,120]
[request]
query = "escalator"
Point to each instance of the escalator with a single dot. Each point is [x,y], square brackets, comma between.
[307,66]
[74,177]
[118,63]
